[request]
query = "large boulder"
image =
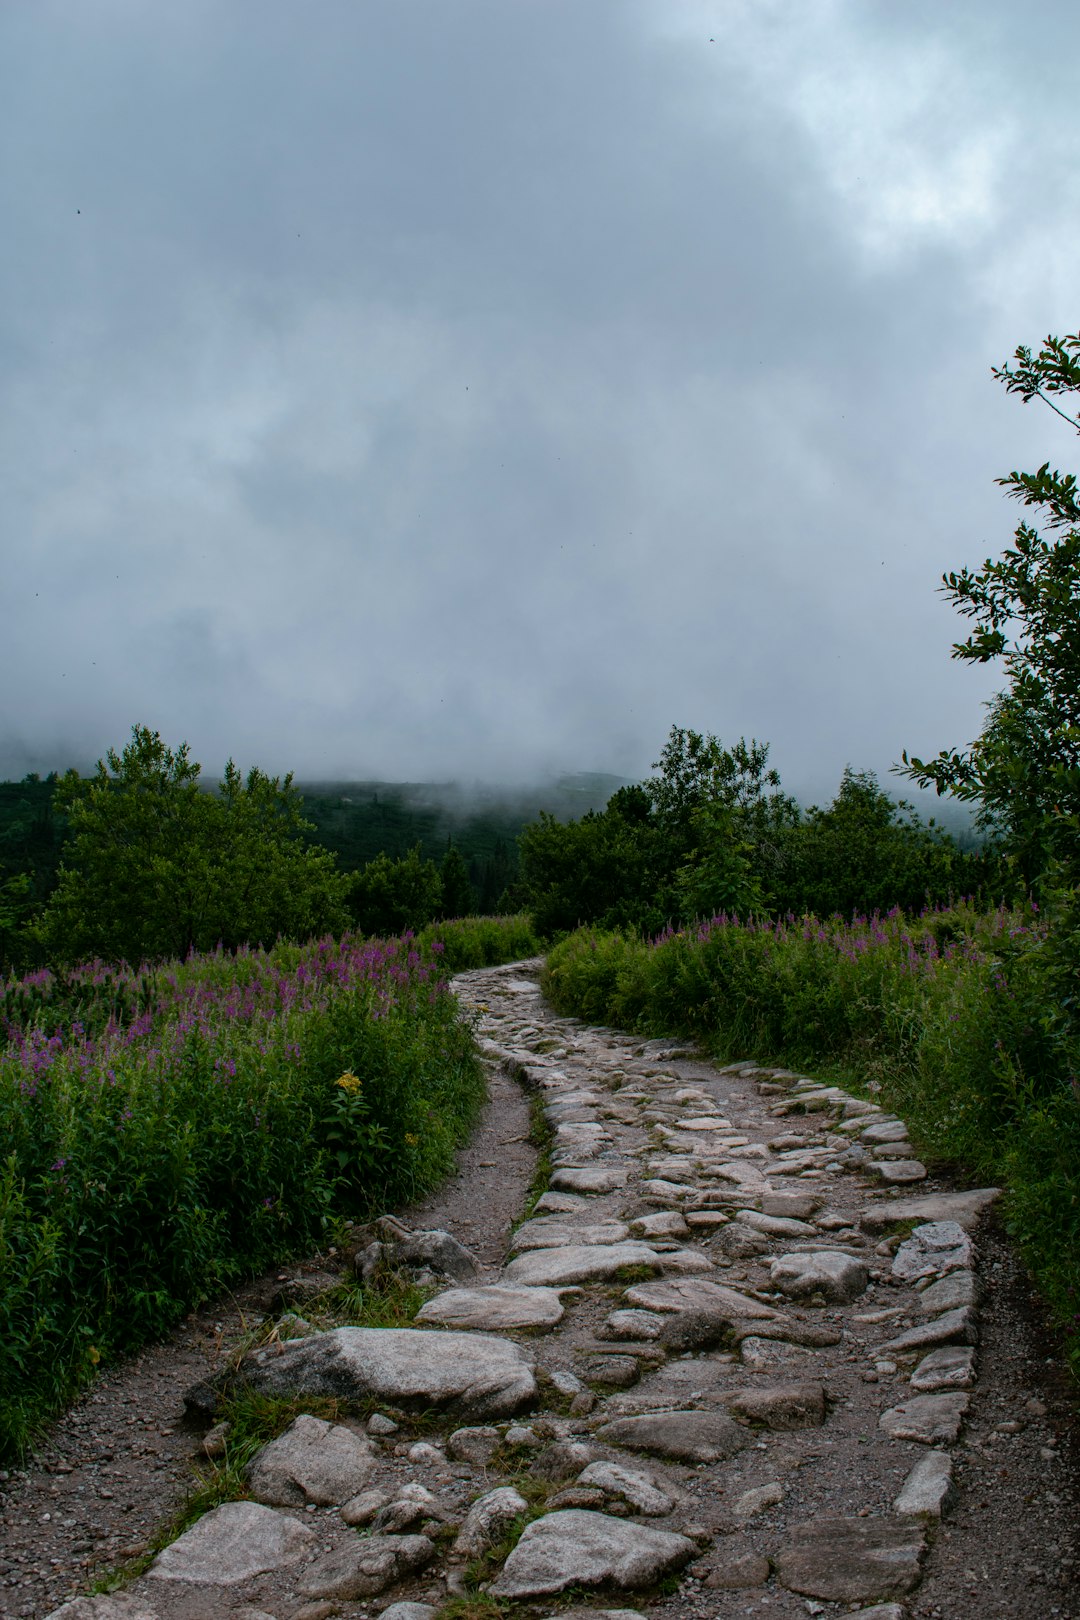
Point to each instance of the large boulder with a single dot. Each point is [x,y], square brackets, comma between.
[468,1374]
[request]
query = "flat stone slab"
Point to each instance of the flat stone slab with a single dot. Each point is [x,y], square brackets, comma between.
[234,1543]
[115,1606]
[884,1130]
[474,1374]
[667,1223]
[365,1566]
[956,1326]
[313,1461]
[965,1208]
[580,1548]
[593,1614]
[557,1203]
[698,1437]
[630,1325]
[676,1294]
[736,1567]
[548,1232]
[949,1293]
[952,1367]
[899,1172]
[928,1490]
[579,1263]
[781,1406]
[930,1419]
[775,1225]
[933,1250]
[849,1560]
[746,1176]
[590,1178]
[835,1276]
[659,1189]
[680,1382]
[496,1306]
[791,1205]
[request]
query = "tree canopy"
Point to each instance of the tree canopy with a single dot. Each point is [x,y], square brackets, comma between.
[156,866]
[1024,768]
[713,831]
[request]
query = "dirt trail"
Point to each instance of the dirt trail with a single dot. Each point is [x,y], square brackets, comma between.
[728,1185]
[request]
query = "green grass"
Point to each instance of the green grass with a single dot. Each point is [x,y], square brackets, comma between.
[541,1136]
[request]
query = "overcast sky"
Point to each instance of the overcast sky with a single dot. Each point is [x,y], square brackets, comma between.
[476,388]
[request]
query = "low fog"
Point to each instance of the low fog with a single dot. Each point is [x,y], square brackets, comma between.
[473,391]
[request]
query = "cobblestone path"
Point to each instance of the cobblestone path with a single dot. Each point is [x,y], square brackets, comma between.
[728,1367]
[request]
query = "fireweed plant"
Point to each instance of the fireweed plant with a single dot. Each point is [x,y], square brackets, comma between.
[948,1016]
[169,1130]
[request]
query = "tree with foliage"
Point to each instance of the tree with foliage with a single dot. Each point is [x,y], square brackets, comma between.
[714,832]
[387,896]
[458,898]
[1024,769]
[725,824]
[156,866]
[865,852]
[602,867]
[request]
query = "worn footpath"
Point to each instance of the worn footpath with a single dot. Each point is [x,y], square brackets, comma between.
[744,1357]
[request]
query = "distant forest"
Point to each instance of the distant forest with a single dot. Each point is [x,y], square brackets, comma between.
[356,820]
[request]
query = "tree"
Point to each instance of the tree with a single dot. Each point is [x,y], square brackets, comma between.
[867,853]
[458,898]
[387,897]
[1024,768]
[155,866]
[601,868]
[725,824]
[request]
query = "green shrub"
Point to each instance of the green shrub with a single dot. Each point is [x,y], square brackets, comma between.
[477,942]
[229,1112]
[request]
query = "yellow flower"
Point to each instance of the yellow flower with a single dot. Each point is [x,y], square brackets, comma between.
[410,1139]
[349,1081]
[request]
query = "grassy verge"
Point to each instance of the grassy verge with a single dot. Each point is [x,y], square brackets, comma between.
[951,1015]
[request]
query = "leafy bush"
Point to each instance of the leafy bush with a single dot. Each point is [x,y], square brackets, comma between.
[166,1133]
[155,866]
[713,831]
[953,1015]
[478,942]
[389,896]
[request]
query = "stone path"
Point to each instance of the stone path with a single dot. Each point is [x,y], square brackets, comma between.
[725,1370]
